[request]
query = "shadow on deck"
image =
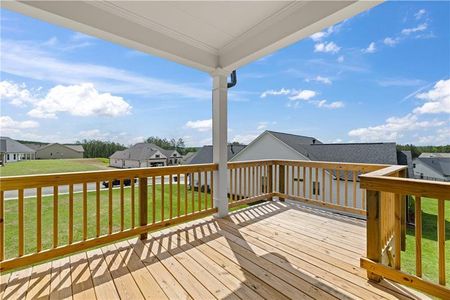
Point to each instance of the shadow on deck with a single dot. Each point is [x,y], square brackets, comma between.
[271,250]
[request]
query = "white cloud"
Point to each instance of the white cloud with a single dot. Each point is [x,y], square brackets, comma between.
[244,138]
[30,60]
[79,100]
[319,36]
[200,125]
[8,123]
[330,47]
[371,48]
[437,100]
[399,81]
[324,80]
[303,95]
[420,13]
[282,91]
[419,28]
[15,94]
[393,129]
[262,125]
[391,41]
[332,105]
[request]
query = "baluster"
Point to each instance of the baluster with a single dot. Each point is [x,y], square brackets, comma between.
[122,204]
[199,191]
[162,198]
[153,199]
[346,188]
[70,213]
[185,194]
[317,184]
[192,192]
[231,185]
[55,215]
[330,173]
[206,189]
[39,219]
[354,189]
[110,206]
[132,187]
[2,226]
[211,175]
[20,218]
[235,184]
[84,211]
[170,197]
[441,240]
[323,185]
[304,181]
[418,234]
[143,204]
[240,184]
[310,183]
[97,208]
[338,187]
[178,196]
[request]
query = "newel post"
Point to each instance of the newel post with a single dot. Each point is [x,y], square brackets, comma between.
[281,180]
[220,140]
[270,179]
[143,196]
[373,231]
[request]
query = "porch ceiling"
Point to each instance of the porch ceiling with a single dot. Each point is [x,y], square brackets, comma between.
[203,35]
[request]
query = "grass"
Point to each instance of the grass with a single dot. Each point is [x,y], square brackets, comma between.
[11,212]
[46,166]
[429,243]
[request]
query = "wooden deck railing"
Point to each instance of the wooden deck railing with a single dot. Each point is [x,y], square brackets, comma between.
[43,226]
[386,192]
[325,184]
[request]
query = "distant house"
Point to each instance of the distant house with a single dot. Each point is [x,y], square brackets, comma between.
[144,155]
[57,151]
[433,167]
[12,151]
[284,146]
[205,156]
[437,155]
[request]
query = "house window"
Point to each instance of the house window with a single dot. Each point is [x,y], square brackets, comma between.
[298,179]
[316,188]
[157,155]
[414,165]
[7,156]
[14,157]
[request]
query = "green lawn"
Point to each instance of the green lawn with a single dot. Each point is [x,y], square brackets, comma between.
[11,211]
[46,166]
[429,243]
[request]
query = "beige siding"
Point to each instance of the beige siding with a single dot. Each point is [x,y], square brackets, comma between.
[57,151]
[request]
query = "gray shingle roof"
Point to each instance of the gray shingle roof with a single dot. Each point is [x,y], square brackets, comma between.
[8,145]
[205,154]
[140,151]
[440,165]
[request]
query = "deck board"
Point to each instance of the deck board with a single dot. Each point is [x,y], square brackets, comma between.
[271,250]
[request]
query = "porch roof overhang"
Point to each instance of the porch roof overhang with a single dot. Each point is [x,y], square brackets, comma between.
[203,35]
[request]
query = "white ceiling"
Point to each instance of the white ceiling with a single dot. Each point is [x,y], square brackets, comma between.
[204,35]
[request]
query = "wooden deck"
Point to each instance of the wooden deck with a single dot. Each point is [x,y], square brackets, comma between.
[271,250]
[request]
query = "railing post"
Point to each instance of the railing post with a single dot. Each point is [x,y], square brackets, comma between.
[143,196]
[281,181]
[270,179]
[220,140]
[373,231]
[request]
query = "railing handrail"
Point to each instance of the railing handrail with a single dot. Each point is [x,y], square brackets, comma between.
[42,180]
[381,181]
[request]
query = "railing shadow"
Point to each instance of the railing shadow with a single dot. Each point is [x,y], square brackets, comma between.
[260,267]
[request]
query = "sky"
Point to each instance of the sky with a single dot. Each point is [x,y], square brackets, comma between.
[381,76]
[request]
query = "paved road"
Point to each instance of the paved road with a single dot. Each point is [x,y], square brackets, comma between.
[64,189]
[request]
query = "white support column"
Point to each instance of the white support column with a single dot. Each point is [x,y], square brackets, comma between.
[220,140]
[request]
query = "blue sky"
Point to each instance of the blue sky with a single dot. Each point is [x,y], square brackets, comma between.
[383,75]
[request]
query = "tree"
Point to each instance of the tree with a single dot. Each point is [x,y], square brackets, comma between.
[417,150]
[172,144]
[97,148]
